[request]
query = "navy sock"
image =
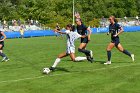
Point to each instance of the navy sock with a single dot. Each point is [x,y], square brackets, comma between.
[126,52]
[109,55]
[87,52]
[2,54]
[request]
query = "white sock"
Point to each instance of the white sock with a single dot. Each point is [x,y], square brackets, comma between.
[80,58]
[56,62]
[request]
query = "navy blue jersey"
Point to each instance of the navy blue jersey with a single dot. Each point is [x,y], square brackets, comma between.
[114,29]
[82,29]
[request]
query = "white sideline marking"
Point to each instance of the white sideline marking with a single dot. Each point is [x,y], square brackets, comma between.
[64,74]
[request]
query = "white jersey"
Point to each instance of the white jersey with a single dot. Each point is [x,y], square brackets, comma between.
[71,37]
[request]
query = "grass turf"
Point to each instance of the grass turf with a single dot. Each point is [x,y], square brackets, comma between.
[22,74]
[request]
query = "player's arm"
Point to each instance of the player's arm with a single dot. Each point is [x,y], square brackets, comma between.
[80,36]
[83,36]
[55,30]
[89,33]
[4,36]
[120,31]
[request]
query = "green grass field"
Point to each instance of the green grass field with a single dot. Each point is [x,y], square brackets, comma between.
[22,74]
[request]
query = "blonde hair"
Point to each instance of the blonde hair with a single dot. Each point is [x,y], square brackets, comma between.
[115,20]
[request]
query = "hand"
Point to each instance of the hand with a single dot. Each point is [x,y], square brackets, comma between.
[84,36]
[1,40]
[55,30]
[77,15]
[115,35]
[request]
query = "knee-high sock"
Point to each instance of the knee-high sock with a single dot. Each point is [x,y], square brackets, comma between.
[56,62]
[126,52]
[109,55]
[2,54]
[80,58]
[87,52]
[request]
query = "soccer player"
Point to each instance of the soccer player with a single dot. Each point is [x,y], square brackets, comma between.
[82,30]
[2,38]
[71,37]
[115,30]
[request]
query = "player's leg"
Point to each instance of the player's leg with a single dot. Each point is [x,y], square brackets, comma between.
[58,59]
[86,52]
[76,59]
[109,48]
[5,58]
[121,49]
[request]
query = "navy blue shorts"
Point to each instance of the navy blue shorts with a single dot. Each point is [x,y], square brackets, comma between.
[84,40]
[116,41]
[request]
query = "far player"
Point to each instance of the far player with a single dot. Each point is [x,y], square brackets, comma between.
[71,37]
[115,30]
[2,38]
[82,30]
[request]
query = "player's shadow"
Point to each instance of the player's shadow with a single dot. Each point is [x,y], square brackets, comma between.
[62,69]
[75,61]
[99,61]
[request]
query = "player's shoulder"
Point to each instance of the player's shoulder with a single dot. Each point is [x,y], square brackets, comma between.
[67,31]
[83,25]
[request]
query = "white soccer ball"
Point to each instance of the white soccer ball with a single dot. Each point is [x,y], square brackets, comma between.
[46,70]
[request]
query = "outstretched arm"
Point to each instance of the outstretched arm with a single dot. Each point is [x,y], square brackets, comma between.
[55,30]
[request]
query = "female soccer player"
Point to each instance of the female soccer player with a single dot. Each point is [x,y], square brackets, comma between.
[115,30]
[82,30]
[71,37]
[2,38]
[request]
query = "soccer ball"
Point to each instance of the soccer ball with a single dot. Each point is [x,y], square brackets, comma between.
[46,70]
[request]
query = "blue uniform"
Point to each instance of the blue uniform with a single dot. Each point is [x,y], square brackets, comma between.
[82,30]
[2,42]
[114,29]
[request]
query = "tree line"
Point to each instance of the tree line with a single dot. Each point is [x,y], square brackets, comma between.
[50,12]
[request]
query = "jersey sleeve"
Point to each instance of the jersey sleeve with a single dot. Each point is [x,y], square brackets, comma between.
[77,35]
[118,26]
[67,31]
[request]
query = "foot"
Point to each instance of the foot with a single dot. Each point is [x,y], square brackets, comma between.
[3,59]
[52,68]
[133,58]
[7,59]
[108,63]
[91,54]
[89,59]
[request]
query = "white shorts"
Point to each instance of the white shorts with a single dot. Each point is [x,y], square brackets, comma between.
[70,50]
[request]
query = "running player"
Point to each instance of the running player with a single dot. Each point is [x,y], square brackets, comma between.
[115,30]
[82,30]
[2,38]
[71,37]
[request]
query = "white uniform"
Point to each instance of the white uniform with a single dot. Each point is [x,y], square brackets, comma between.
[71,37]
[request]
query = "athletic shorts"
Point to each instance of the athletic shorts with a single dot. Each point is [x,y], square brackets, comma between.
[2,43]
[116,41]
[70,50]
[84,40]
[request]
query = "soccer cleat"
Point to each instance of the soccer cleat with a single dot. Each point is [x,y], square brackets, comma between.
[7,59]
[4,58]
[132,57]
[52,68]
[89,59]
[108,63]
[91,54]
